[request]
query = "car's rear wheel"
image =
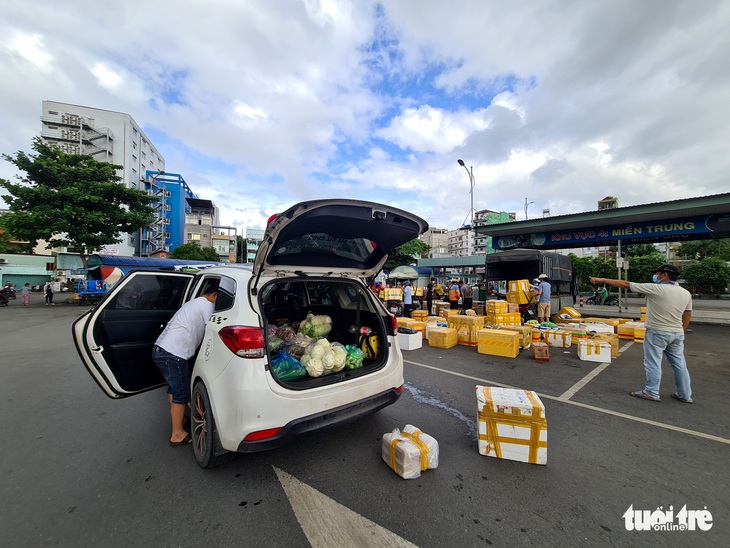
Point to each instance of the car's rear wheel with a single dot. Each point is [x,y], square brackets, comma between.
[206,446]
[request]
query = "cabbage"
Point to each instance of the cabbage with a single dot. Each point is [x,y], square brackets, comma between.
[328,361]
[315,367]
[315,326]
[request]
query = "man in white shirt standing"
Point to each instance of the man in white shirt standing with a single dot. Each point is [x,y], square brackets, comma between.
[668,313]
[175,345]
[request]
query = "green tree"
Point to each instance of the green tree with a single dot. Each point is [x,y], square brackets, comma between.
[639,250]
[70,200]
[585,267]
[641,268]
[406,254]
[193,252]
[711,275]
[701,249]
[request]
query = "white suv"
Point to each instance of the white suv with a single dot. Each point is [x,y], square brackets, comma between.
[313,259]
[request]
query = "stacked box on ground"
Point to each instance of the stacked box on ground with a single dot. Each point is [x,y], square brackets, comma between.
[442,337]
[512,424]
[466,328]
[498,342]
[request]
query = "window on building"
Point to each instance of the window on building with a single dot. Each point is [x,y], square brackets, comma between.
[195,237]
[134,131]
[134,145]
[144,155]
[53,112]
[134,158]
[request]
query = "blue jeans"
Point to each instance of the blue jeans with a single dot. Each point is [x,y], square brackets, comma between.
[671,345]
[176,372]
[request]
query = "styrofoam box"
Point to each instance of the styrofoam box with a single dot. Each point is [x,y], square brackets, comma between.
[598,327]
[408,341]
[594,351]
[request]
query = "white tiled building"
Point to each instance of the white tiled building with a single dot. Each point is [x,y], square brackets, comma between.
[109,137]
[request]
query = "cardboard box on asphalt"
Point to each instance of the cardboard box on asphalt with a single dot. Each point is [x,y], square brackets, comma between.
[409,452]
[419,326]
[403,321]
[594,350]
[511,424]
[496,307]
[419,315]
[625,330]
[430,326]
[541,351]
[598,327]
[498,342]
[509,318]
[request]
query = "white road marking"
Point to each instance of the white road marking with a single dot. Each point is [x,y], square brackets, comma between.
[326,523]
[487,382]
[570,392]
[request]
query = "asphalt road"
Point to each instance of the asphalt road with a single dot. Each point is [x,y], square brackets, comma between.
[80,469]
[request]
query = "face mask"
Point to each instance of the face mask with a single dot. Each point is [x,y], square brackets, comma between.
[655,279]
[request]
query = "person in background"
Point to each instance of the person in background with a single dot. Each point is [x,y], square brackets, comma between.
[407,299]
[430,291]
[25,292]
[668,313]
[454,294]
[48,290]
[467,296]
[535,286]
[543,299]
[604,294]
[171,352]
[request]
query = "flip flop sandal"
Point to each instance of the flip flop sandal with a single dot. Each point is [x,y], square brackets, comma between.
[676,397]
[642,396]
[187,440]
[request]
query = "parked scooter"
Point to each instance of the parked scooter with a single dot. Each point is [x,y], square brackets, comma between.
[9,291]
[3,298]
[611,300]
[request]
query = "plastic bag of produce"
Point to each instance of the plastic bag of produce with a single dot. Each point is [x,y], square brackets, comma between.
[286,367]
[354,357]
[297,345]
[285,333]
[274,343]
[315,326]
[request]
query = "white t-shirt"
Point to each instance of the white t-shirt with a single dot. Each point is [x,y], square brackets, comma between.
[184,333]
[665,304]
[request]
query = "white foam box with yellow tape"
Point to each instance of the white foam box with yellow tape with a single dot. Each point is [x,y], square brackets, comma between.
[610,338]
[594,350]
[498,342]
[558,338]
[419,327]
[598,327]
[511,424]
[410,341]
[466,328]
[410,452]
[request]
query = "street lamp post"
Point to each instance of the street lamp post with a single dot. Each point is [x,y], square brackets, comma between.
[470,173]
[526,205]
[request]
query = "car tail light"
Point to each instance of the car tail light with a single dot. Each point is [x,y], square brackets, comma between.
[394,322]
[246,342]
[262,434]
[399,389]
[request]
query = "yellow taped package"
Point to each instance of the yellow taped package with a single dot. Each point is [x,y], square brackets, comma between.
[441,306]
[496,307]
[419,315]
[570,311]
[434,319]
[419,327]
[610,338]
[510,318]
[525,332]
[403,321]
[639,332]
[442,337]
[626,330]
[409,452]
[594,350]
[577,331]
[559,338]
[393,293]
[518,297]
[498,342]
[613,322]
[466,328]
[430,326]
[520,285]
[512,424]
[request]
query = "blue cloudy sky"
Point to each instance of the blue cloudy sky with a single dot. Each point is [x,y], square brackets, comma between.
[264,103]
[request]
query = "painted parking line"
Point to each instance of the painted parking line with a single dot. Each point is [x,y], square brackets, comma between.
[573,390]
[487,382]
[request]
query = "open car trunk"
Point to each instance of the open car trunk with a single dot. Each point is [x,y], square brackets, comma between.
[340,315]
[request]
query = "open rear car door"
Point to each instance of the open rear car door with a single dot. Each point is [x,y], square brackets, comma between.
[115,339]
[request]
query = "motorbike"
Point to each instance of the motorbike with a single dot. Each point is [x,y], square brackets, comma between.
[3,299]
[9,292]
[611,300]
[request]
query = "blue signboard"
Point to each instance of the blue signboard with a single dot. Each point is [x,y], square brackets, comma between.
[689,228]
